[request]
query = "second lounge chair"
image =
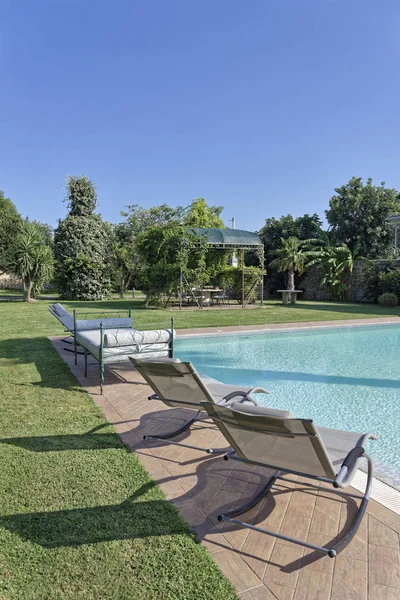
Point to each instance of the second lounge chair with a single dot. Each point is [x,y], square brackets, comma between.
[293,446]
[177,384]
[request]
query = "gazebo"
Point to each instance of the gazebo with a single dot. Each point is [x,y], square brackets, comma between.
[228,239]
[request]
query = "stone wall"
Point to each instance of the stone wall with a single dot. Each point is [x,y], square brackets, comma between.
[309,282]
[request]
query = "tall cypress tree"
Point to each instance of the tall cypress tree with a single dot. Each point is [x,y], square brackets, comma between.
[82,245]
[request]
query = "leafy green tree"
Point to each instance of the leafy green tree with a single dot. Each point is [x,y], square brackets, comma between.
[47,232]
[82,245]
[30,258]
[303,228]
[138,218]
[125,260]
[199,214]
[357,214]
[291,258]
[10,221]
[151,245]
[162,251]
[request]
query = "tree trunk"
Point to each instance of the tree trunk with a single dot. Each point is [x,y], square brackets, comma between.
[28,291]
[290,279]
[351,284]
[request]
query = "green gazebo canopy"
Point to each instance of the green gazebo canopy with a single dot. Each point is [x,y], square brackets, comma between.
[228,238]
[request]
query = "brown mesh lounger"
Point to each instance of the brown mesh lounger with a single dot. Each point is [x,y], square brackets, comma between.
[177,384]
[292,446]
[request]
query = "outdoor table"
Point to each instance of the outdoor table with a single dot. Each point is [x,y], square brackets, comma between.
[291,293]
[205,294]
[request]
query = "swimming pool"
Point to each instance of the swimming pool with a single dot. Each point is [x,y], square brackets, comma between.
[346,377]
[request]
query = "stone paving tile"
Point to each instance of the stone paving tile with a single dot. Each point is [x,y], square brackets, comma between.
[201,486]
[350,578]
[382,535]
[264,593]
[236,570]
[284,565]
[383,592]
[384,566]
[313,585]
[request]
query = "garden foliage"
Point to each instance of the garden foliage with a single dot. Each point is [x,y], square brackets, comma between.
[82,245]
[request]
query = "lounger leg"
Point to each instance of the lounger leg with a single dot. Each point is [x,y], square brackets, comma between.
[86,362]
[345,541]
[331,552]
[253,502]
[166,437]
[101,376]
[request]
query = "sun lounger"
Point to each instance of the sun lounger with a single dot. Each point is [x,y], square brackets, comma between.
[73,324]
[292,446]
[112,340]
[177,384]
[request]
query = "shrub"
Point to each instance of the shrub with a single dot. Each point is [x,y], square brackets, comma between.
[390,282]
[231,278]
[388,299]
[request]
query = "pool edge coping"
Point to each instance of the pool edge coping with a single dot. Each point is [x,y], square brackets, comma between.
[236,329]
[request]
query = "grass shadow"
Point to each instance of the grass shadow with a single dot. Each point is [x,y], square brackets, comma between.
[134,518]
[53,371]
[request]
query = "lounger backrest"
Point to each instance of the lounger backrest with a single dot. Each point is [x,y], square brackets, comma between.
[282,443]
[62,315]
[107,323]
[176,383]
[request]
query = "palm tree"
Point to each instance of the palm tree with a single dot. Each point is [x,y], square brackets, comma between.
[337,261]
[31,259]
[292,257]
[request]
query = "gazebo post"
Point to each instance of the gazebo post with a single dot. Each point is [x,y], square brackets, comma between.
[242,277]
[180,288]
[262,276]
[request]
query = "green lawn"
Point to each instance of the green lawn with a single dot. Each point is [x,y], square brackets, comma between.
[79,517]
[272,312]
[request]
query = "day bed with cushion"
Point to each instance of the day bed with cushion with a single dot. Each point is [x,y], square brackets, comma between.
[177,384]
[293,446]
[113,340]
[72,324]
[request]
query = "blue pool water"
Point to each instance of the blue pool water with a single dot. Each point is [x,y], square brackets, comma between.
[346,378]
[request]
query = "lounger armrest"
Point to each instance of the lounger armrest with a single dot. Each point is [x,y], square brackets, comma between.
[230,398]
[245,396]
[348,464]
[257,390]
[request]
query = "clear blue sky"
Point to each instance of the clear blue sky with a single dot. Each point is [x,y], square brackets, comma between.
[261,106]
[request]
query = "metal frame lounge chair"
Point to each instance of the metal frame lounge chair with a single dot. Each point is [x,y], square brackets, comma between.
[177,384]
[112,340]
[72,324]
[292,446]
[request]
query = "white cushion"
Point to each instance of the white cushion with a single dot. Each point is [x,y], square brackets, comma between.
[129,337]
[89,324]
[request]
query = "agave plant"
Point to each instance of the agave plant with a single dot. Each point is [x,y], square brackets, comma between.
[31,259]
[291,257]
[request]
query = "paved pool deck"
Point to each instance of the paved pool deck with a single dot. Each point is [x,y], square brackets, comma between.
[201,486]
